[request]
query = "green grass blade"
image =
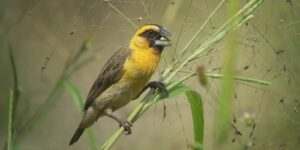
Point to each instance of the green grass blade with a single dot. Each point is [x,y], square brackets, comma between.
[190,42]
[91,138]
[16,88]
[10,121]
[224,113]
[239,78]
[178,90]
[196,104]
[184,50]
[14,70]
[78,100]
[181,80]
[75,93]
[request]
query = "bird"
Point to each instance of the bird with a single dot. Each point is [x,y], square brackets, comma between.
[125,76]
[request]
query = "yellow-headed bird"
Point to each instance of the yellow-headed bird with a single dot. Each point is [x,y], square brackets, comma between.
[125,76]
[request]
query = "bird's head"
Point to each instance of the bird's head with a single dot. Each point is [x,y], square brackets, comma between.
[151,36]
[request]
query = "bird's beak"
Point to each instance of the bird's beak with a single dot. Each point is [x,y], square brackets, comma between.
[164,39]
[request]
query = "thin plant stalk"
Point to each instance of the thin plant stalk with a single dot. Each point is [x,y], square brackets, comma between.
[78,100]
[16,87]
[224,112]
[10,122]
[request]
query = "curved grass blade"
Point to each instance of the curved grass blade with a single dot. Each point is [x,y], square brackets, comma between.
[16,89]
[178,90]
[78,100]
[196,104]
[74,92]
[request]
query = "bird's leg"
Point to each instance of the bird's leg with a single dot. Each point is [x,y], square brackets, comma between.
[124,123]
[154,85]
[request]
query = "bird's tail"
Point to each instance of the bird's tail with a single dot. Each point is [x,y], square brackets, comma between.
[77,134]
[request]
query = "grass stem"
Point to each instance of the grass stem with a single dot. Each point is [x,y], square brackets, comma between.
[10,122]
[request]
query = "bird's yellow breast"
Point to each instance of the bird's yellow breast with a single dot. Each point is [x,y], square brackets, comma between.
[141,63]
[140,66]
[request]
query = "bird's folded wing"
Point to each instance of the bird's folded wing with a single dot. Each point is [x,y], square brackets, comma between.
[111,72]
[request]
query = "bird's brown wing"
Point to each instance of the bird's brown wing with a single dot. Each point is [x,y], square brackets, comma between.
[111,72]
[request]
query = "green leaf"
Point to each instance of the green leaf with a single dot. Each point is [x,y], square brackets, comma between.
[175,91]
[74,92]
[196,104]
[178,90]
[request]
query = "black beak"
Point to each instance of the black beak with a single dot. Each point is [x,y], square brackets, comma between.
[164,38]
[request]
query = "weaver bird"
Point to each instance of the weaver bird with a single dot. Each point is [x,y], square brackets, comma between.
[125,76]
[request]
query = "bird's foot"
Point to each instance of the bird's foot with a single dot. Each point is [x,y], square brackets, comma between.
[161,87]
[127,126]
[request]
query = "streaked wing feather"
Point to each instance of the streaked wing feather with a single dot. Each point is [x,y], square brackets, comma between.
[111,72]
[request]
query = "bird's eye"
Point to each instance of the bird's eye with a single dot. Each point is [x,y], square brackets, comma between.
[151,32]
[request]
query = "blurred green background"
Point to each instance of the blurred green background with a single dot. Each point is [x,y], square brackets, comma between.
[267,48]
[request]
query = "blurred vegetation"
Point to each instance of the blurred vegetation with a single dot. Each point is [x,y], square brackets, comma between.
[37,63]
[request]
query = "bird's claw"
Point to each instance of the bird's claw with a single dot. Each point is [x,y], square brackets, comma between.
[127,126]
[161,87]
